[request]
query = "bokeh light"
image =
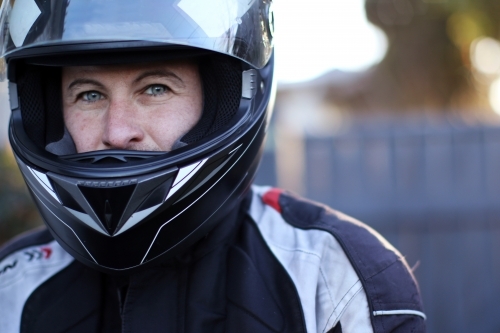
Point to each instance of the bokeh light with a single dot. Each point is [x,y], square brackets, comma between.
[494,95]
[316,36]
[485,55]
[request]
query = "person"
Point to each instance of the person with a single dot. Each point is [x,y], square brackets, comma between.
[138,127]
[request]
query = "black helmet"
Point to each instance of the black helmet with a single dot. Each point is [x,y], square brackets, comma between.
[118,210]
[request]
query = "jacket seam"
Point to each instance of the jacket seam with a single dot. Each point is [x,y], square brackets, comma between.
[345,307]
[255,225]
[353,249]
[294,250]
[328,288]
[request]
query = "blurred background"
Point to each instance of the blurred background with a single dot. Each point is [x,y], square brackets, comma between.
[388,110]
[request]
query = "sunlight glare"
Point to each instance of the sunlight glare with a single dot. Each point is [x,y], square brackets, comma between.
[494,95]
[485,55]
[315,36]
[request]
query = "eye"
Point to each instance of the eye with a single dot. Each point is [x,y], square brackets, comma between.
[156,90]
[91,96]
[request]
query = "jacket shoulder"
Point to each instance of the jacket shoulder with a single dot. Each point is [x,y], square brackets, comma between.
[30,238]
[391,290]
[25,264]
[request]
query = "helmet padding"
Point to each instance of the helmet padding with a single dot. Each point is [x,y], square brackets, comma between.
[41,103]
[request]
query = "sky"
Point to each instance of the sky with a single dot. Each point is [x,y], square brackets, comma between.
[315,36]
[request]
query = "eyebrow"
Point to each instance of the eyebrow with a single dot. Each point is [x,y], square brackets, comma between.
[79,82]
[160,73]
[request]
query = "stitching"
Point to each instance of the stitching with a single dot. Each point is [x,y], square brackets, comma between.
[338,317]
[329,294]
[294,250]
[359,258]
[321,221]
[354,255]
[326,284]
[345,307]
[340,301]
[375,300]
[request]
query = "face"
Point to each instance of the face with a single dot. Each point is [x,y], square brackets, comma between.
[135,107]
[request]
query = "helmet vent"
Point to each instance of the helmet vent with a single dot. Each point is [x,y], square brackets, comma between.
[108,203]
[108,215]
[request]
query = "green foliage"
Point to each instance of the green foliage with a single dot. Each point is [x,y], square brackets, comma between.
[17,211]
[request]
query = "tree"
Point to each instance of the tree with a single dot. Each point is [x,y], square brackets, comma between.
[428,64]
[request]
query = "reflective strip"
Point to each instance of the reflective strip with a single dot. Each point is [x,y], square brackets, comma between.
[85,218]
[136,218]
[44,181]
[184,175]
[400,312]
[207,178]
[76,235]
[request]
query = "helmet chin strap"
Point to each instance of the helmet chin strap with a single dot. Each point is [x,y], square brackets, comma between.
[65,146]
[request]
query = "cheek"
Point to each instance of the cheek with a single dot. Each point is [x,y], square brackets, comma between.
[190,113]
[173,121]
[84,130]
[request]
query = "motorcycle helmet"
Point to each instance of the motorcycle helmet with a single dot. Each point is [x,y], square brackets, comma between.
[120,210]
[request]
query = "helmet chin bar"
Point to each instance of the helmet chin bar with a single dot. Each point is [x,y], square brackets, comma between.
[158,213]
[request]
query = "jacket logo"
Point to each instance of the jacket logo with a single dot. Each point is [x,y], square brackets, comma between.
[7,267]
[37,254]
[44,252]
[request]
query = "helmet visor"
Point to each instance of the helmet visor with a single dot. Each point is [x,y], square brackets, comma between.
[240,28]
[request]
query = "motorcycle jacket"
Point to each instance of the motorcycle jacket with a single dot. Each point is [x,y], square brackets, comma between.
[277,263]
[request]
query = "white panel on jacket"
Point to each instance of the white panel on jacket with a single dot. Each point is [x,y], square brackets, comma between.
[328,286]
[21,273]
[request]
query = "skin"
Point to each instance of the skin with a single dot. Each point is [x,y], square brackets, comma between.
[133,107]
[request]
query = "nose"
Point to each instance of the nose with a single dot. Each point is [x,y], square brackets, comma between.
[122,130]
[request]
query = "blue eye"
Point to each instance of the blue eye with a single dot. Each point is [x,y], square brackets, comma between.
[156,89]
[92,96]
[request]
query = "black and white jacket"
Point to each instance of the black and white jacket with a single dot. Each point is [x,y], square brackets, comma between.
[279,264]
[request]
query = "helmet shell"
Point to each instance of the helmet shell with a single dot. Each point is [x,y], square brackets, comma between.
[116,210]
